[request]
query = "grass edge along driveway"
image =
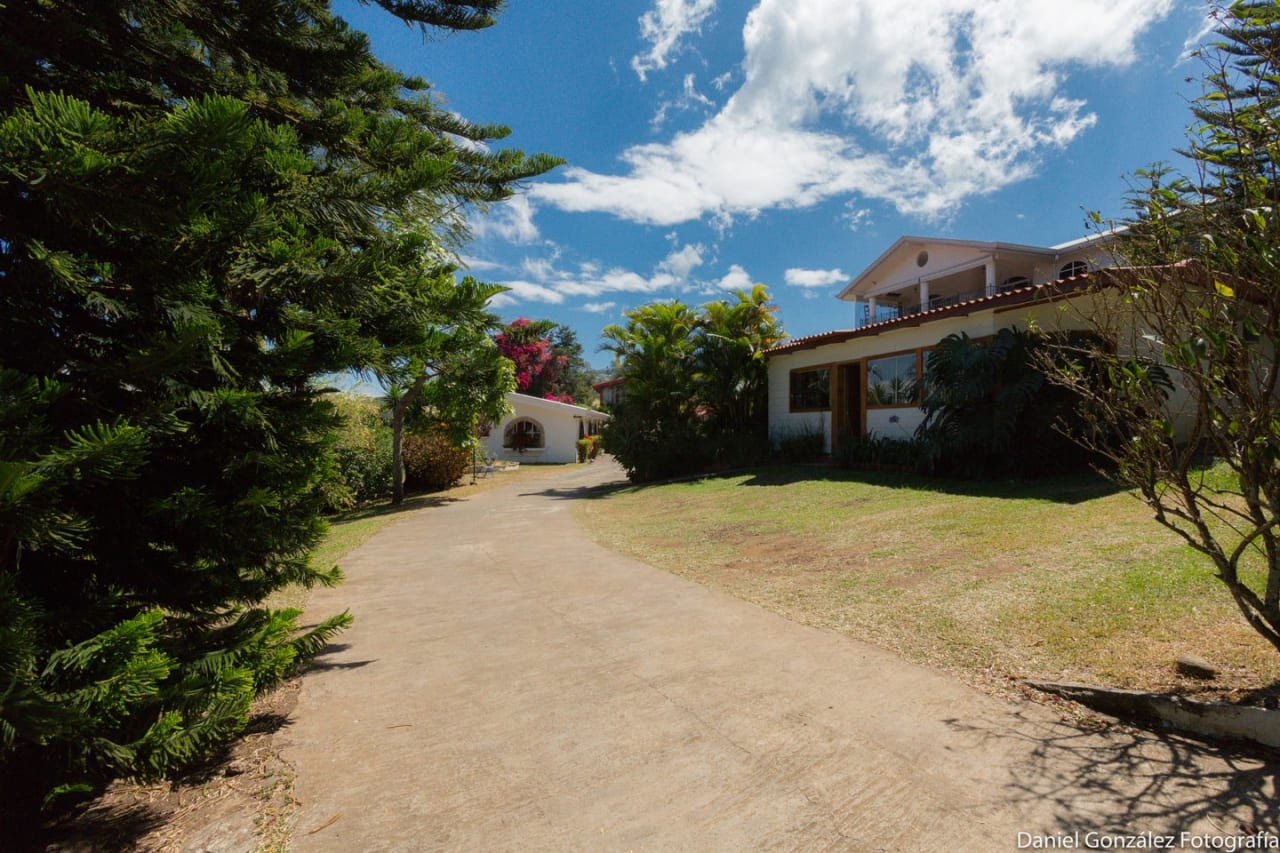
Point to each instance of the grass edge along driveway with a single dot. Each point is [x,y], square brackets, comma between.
[1063,579]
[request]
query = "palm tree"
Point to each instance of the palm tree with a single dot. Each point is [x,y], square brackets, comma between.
[656,350]
[695,383]
[732,375]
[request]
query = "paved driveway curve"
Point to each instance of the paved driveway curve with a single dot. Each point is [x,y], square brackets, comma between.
[509,685]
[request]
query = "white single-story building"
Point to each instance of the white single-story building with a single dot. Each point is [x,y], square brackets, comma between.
[861,381]
[539,430]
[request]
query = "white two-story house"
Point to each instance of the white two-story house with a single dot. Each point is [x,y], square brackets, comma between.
[860,380]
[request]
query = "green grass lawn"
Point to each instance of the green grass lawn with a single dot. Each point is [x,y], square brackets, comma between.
[1063,580]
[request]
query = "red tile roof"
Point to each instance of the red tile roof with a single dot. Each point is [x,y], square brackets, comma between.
[1031,293]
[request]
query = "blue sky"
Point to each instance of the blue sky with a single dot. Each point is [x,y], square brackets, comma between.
[711,144]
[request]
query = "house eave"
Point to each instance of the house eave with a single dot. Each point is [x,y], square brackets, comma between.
[1046,292]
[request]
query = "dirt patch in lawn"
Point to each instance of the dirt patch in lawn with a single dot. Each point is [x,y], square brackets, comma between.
[776,548]
[998,569]
[909,580]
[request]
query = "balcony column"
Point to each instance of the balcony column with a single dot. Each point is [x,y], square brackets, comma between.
[924,295]
[871,310]
[991,276]
[857,321]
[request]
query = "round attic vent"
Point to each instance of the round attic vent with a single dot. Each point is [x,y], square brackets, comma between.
[922,258]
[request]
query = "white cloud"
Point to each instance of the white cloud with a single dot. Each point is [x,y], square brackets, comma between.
[551,284]
[598,307]
[1197,39]
[797,277]
[855,217]
[479,264]
[538,268]
[688,99]
[855,98]
[736,279]
[510,220]
[683,261]
[690,93]
[664,26]
[525,291]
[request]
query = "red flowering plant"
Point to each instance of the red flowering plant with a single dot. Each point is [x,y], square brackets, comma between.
[537,365]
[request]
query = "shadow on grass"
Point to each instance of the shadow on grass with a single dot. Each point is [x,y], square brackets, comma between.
[1266,697]
[580,492]
[1067,489]
[1126,782]
[422,500]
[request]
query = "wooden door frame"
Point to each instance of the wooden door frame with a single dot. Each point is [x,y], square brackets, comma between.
[840,378]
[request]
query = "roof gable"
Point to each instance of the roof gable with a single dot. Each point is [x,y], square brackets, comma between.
[912,257]
[526,402]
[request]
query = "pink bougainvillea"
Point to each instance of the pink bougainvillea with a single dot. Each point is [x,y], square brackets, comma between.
[537,365]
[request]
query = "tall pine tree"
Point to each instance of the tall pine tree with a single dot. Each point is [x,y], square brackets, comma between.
[195,214]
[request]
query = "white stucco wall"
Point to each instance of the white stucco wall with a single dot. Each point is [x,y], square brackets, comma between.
[784,423]
[559,422]
[904,270]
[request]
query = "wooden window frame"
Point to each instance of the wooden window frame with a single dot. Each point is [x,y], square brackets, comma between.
[791,395]
[866,372]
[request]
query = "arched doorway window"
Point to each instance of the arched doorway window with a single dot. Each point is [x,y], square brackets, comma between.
[1073,269]
[523,434]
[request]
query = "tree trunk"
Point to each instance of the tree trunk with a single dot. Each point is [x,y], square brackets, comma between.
[397,434]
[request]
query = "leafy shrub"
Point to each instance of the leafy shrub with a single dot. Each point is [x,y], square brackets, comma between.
[588,447]
[989,411]
[361,454]
[650,451]
[739,449]
[432,460]
[877,453]
[800,443]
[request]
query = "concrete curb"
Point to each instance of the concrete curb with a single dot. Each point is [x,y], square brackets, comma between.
[1235,722]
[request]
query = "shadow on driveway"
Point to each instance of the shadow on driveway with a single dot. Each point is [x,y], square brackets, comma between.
[1182,782]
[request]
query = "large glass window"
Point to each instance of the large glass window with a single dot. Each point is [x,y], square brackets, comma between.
[810,390]
[892,381]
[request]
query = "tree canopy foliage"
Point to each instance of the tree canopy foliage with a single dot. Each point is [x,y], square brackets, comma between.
[989,410]
[436,359]
[548,360]
[694,384]
[1192,322]
[203,208]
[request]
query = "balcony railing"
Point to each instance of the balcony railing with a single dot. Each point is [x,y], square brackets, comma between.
[894,311]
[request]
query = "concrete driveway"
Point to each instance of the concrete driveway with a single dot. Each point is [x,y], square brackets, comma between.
[509,685]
